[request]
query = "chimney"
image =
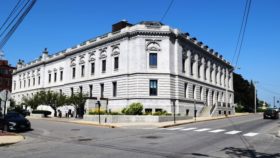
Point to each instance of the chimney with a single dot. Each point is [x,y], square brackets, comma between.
[120,25]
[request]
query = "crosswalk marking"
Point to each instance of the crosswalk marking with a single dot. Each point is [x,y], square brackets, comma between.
[203,129]
[217,131]
[188,129]
[232,132]
[173,129]
[250,134]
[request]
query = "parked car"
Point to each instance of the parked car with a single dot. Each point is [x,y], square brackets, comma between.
[271,114]
[14,121]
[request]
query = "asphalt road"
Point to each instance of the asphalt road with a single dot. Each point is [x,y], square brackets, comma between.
[247,136]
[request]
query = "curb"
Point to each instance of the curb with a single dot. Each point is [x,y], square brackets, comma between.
[13,142]
[183,123]
[76,122]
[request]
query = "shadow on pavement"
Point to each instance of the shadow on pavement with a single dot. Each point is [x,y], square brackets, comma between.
[241,152]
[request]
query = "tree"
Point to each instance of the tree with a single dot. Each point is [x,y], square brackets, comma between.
[33,101]
[53,99]
[78,100]
[244,93]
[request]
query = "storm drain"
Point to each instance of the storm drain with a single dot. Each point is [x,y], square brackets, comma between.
[84,139]
[151,137]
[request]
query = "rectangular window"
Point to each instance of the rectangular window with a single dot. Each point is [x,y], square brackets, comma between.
[61,75]
[39,80]
[153,87]
[55,76]
[33,81]
[183,65]
[153,59]
[90,90]
[24,83]
[28,82]
[73,72]
[191,67]
[83,70]
[92,68]
[103,66]
[50,78]
[186,90]
[114,89]
[19,84]
[72,91]
[81,89]
[116,63]
[14,85]
[101,90]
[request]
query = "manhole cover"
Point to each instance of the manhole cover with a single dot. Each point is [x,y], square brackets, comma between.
[75,129]
[84,139]
[151,137]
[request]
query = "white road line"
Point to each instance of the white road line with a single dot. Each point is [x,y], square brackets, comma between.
[188,129]
[217,130]
[232,132]
[173,129]
[250,134]
[203,129]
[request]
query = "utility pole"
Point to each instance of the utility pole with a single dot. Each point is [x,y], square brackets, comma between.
[274,102]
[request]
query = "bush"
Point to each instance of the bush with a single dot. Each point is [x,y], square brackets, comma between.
[44,112]
[96,112]
[160,113]
[133,109]
[114,113]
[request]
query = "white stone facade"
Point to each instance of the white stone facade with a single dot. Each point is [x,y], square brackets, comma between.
[183,71]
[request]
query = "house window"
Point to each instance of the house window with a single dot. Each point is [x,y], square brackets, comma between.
[194,92]
[83,70]
[186,90]
[192,67]
[73,72]
[183,65]
[39,80]
[14,85]
[92,68]
[61,75]
[103,66]
[90,90]
[114,89]
[116,63]
[19,84]
[55,76]
[50,78]
[148,111]
[187,112]
[72,91]
[28,82]
[153,59]
[101,90]
[153,87]
[24,83]
[205,73]
[81,89]
[33,81]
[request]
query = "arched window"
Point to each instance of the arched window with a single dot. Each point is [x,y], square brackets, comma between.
[201,93]
[194,92]
[153,48]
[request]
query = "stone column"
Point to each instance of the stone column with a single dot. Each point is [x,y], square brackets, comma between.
[202,68]
[195,66]
[188,63]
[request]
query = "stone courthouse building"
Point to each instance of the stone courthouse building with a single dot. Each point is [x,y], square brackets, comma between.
[149,62]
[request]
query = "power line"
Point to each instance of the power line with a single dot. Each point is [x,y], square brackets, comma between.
[167,10]
[247,11]
[240,31]
[11,14]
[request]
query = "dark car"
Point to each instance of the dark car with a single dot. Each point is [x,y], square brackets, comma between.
[271,114]
[14,121]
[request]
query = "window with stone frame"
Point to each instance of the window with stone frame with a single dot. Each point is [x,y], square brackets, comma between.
[153,87]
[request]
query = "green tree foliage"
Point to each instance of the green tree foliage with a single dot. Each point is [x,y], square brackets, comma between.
[33,101]
[244,94]
[133,109]
[78,100]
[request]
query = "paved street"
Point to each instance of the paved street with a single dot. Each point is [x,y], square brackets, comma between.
[247,136]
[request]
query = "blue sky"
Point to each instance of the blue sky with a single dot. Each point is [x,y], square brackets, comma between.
[61,24]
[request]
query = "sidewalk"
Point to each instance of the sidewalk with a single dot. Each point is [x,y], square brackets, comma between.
[9,138]
[135,125]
